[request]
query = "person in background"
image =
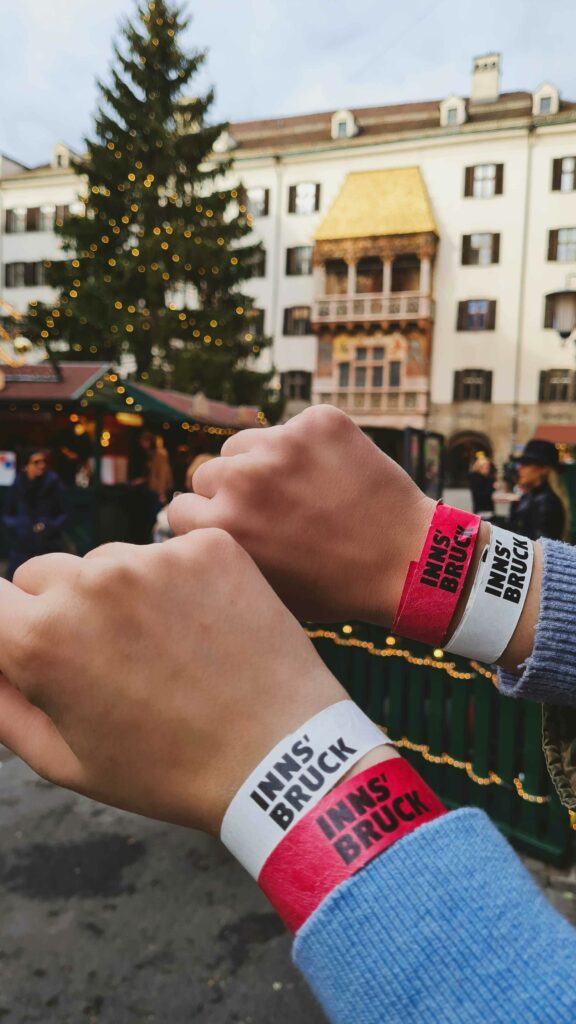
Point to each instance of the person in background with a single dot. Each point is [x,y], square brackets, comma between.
[542,510]
[35,513]
[160,479]
[481,479]
[151,480]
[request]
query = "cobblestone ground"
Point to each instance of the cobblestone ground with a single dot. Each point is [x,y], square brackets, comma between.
[107,918]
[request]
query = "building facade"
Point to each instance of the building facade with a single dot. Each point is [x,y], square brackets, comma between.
[409,253]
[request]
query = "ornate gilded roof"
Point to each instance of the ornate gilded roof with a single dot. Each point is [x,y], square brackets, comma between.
[377,203]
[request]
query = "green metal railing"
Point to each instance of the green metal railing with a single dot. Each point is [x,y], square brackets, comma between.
[473,746]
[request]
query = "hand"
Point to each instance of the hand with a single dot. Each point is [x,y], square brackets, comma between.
[331,521]
[153,678]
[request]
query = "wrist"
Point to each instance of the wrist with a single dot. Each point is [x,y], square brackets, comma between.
[390,566]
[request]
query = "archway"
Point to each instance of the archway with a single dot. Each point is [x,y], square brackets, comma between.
[460,454]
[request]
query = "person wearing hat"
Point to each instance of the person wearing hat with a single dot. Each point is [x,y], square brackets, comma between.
[542,511]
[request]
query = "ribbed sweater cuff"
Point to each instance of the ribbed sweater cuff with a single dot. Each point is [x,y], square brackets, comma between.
[445,927]
[549,674]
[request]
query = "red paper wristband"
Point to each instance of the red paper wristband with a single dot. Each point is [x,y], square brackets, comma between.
[435,582]
[350,826]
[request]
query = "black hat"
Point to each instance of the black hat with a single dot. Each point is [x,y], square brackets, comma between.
[540,453]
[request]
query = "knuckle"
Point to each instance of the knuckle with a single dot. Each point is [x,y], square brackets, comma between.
[216,544]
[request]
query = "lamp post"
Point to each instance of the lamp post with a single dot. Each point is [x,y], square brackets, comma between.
[564,313]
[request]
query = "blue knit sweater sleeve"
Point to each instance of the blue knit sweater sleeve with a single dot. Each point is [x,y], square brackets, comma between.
[447,927]
[549,674]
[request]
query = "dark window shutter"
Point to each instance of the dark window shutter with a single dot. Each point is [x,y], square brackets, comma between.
[491,316]
[33,218]
[469,181]
[542,385]
[8,222]
[556,174]
[572,386]
[28,273]
[457,396]
[317,198]
[496,248]
[266,202]
[287,319]
[462,316]
[292,199]
[289,260]
[549,312]
[499,182]
[487,396]
[8,275]
[465,250]
[553,245]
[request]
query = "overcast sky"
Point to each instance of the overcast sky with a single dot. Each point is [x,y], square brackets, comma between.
[270,57]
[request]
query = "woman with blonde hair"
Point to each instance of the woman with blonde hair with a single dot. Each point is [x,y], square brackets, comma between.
[543,509]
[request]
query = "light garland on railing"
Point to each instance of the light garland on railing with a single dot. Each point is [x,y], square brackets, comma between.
[435,661]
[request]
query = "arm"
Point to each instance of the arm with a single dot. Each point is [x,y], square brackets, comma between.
[445,919]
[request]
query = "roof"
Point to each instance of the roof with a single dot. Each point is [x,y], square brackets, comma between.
[42,383]
[376,203]
[308,130]
[558,433]
[93,385]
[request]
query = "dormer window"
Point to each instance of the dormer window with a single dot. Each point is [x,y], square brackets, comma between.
[60,156]
[546,100]
[343,125]
[452,112]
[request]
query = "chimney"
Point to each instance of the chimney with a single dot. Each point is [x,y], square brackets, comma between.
[486,79]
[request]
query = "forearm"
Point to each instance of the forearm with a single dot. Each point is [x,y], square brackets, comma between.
[445,927]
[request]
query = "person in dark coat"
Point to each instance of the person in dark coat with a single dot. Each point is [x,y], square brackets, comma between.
[540,512]
[34,513]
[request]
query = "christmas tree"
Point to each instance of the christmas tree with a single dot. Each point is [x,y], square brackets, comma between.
[155,263]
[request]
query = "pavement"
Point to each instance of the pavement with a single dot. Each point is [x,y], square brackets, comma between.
[108,918]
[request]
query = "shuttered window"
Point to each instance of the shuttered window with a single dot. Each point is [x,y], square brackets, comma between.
[257,201]
[476,315]
[564,174]
[557,386]
[480,249]
[484,181]
[304,198]
[472,386]
[562,245]
[297,320]
[299,261]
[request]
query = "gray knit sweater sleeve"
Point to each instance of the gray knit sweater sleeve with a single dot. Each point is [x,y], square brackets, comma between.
[549,674]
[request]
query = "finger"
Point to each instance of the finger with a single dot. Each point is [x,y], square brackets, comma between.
[32,735]
[190,512]
[208,476]
[38,574]
[248,440]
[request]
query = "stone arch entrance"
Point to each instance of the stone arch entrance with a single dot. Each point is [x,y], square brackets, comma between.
[460,453]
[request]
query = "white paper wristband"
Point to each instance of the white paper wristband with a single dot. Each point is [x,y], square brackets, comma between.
[497,598]
[292,778]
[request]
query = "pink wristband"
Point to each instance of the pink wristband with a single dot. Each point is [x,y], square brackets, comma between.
[435,582]
[350,826]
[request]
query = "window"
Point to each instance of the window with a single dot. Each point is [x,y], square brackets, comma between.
[480,249]
[394,373]
[256,318]
[452,116]
[378,354]
[258,263]
[299,261]
[473,386]
[343,375]
[476,315]
[342,130]
[545,105]
[369,275]
[15,221]
[47,215]
[556,386]
[297,320]
[377,376]
[410,400]
[360,355]
[61,214]
[484,181]
[304,198]
[296,385]
[257,201]
[360,377]
[564,174]
[562,245]
[14,274]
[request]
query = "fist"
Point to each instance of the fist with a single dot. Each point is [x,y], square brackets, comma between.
[331,521]
[153,678]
